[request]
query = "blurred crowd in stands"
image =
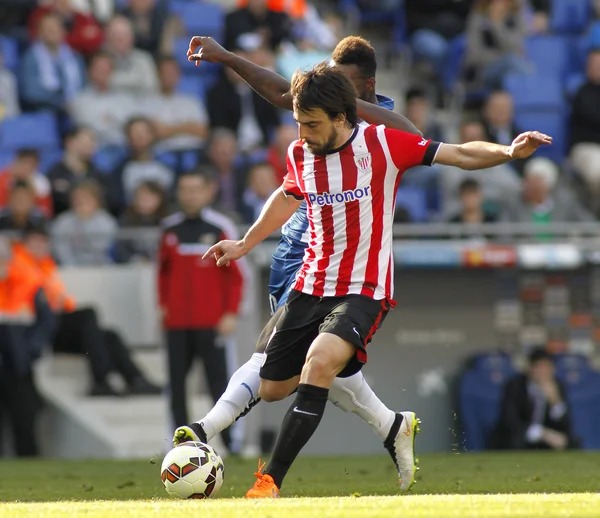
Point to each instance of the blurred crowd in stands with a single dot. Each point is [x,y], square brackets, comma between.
[101,112]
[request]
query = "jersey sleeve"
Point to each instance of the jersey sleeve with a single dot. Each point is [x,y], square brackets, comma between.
[408,150]
[290,182]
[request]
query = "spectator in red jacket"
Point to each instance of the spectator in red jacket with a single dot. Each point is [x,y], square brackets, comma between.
[199,301]
[84,33]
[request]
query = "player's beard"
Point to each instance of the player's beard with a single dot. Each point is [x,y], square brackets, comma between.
[326,148]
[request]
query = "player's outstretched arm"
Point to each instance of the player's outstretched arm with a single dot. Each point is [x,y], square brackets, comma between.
[273,87]
[374,114]
[481,155]
[277,210]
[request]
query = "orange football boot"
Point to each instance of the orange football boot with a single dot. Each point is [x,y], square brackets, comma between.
[264,487]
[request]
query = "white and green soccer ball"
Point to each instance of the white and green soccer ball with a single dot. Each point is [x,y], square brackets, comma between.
[192,470]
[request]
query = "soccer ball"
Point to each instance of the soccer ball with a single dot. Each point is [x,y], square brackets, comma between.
[192,470]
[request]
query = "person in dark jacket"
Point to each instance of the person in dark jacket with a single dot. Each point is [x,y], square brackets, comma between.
[198,300]
[535,413]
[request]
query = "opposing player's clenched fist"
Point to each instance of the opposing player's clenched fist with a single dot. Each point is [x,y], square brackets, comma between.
[527,143]
[226,251]
[204,48]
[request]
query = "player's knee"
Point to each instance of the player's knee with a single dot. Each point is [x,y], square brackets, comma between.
[318,370]
[271,391]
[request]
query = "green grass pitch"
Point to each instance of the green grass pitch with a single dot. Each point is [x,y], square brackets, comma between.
[449,485]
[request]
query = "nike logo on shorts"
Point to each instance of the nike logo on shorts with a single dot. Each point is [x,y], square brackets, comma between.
[296,409]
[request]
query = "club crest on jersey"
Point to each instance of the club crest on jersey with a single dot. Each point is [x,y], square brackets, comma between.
[208,239]
[363,162]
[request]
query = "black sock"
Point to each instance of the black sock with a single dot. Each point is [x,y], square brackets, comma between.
[297,428]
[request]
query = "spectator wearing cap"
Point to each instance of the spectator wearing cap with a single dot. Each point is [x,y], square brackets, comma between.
[100,106]
[535,412]
[75,166]
[543,201]
[51,71]
[83,32]
[9,96]
[232,104]
[84,235]
[134,69]
[24,168]
[21,213]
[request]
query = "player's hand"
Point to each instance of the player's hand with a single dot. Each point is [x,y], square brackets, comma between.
[204,48]
[526,144]
[226,251]
[227,324]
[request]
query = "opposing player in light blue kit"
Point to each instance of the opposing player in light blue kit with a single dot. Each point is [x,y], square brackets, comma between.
[356,58]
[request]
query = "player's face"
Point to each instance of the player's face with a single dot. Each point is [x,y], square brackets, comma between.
[364,86]
[317,130]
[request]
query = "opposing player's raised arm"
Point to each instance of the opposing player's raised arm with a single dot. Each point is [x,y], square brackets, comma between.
[273,87]
[374,114]
[481,155]
[277,210]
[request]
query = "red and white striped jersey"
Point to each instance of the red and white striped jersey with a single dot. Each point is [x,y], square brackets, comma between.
[351,195]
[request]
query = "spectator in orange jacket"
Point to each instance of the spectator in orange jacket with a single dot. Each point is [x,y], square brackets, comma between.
[78,330]
[26,327]
[84,33]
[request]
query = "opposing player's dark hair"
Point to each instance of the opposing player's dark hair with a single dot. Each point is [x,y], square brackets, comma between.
[326,88]
[354,50]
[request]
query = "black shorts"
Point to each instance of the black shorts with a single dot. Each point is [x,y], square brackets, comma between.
[354,318]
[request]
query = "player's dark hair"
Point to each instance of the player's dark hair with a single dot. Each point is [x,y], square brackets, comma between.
[326,88]
[354,50]
[27,152]
[468,185]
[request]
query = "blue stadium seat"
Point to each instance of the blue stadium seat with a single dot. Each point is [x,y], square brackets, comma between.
[583,395]
[535,92]
[6,157]
[49,158]
[191,85]
[189,68]
[32,130]
[10,52]
[570,16]
[539,49]
[552,123]
[201,18]
[108,158]
[494,362]
[454,61]
[573,83]
[414,200]
[570,363]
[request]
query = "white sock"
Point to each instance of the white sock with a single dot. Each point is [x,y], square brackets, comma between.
[241,390]
[354,395]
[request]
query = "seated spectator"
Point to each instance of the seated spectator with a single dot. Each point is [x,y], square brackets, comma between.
[535,413]
[51,72]
[134,70]
[77,329]
[222,153]
[274,27]
[432,24]
[84,33]
[585,126]
[21,213]
[542,201]
[261,184]
[495,34]
[99,106]
[498,118]
[232,104]
[102,10]
[24,168]
[140,165]
[27,326]
[419,112]
[497,184]
[471,201]
[277,155]
[180,120]
[76,165]
[9,95]
[154,28]
[147,210]
[84,235]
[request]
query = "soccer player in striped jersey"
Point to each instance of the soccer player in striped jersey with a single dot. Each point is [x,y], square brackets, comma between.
[348,174]
[356,57]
